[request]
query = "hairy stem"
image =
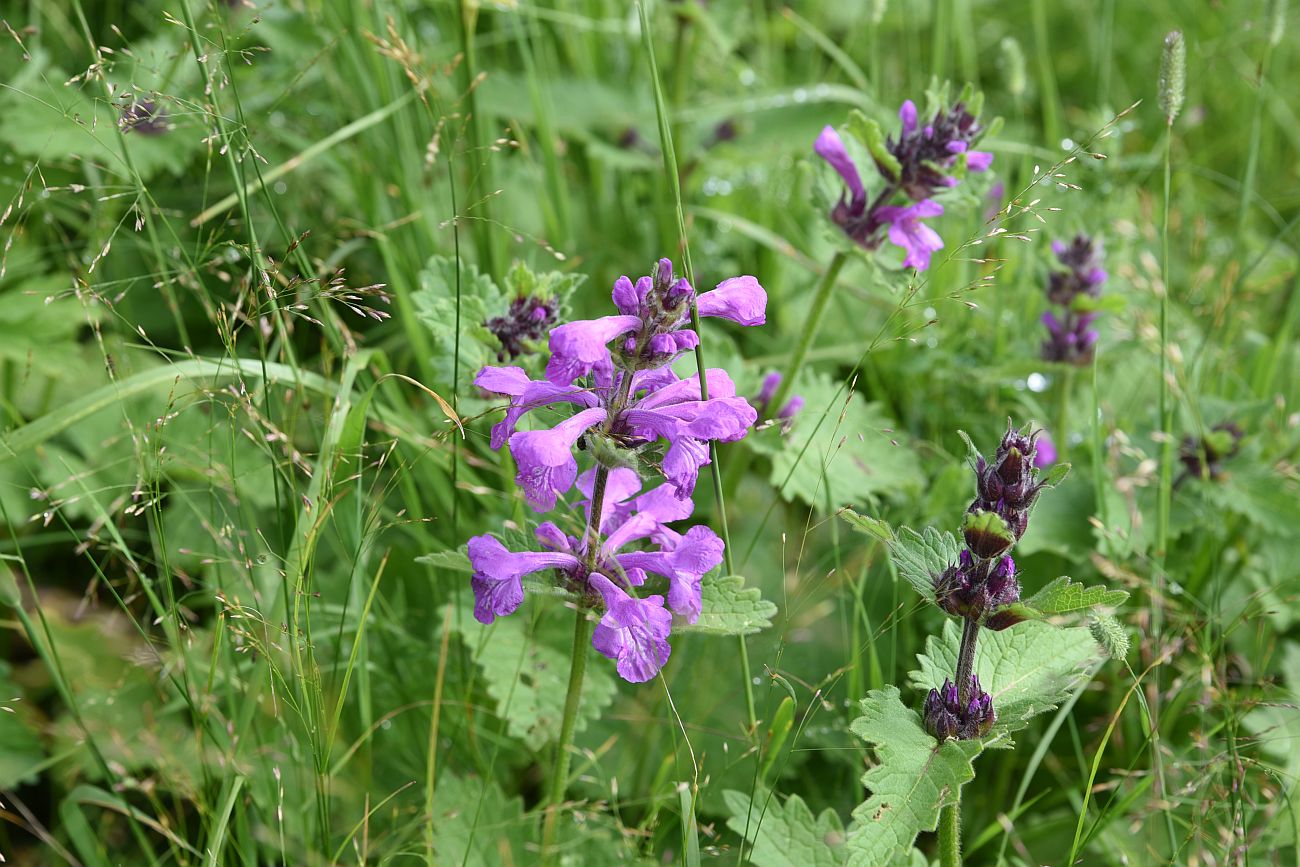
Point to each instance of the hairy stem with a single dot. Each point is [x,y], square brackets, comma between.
[560,773]
[950,834]
[966,659]
[811,325]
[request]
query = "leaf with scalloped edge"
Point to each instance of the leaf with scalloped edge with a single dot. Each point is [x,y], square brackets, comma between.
[914,778]
[526,671]
[1028,669]
[730,608]
[786,834]
[1062,596]
[919,557]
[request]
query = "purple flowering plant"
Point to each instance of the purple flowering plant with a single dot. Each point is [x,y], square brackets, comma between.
[635,418]
[1029,662]
[929,155]
[1074,289]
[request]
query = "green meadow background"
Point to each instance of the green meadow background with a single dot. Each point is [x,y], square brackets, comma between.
[230,355]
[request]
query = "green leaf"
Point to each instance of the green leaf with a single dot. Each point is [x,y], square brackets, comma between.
[451,561]
[527,675]
[1028,669]
[869,133]
[20,749]
[786,835]
[476,825]
[730,608]
[1062,596]
[435,305]
[914,778]
[919,557]
[838,452]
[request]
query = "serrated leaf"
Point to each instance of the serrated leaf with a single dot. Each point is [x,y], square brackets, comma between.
[921,556]
[1028,669]
[527,676]
[435,305]
[730,608]
[837,453]
[476,825]
[786,835]
[1062,596]
[869,133]
[914,778]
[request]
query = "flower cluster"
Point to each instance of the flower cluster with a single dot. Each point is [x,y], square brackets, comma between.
[1070,336]
[921,161]
[526,322]
[946,716]
[615,371]
[983,587]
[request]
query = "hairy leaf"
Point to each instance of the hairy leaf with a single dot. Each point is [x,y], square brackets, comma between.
[1062,596]
[730,608]
[915,777]
[477,825]
[919,557]
[1027,669]
[837,452]
[786,834]
[527,675]
[435,304]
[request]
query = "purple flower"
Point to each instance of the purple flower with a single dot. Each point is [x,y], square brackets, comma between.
[740,299]
[1072,339]
[907,231]
[974,587]
[926,155]
[1045,452]
[771,383]
[578,347]
[684,561]
[498,573]
[545,458]
[633,632]
[1009,485]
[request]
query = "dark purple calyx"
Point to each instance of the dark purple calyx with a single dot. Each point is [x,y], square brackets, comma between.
[927,152]
[145,117]
[528,320]
[946,716]
[974,588]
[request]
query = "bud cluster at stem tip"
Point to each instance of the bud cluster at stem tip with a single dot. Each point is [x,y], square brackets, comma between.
[982,587]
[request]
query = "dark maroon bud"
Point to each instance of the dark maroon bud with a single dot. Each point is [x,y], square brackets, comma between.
[945,717]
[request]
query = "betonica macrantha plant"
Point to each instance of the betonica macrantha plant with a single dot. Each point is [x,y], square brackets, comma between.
[1002,659]
[645,433]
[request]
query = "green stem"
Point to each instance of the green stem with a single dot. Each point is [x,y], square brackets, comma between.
[1164,502]
[950,834]
[560,774]
[811,325]
[966,659]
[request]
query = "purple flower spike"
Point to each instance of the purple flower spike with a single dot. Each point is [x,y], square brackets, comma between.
[578,347]
[907,231]
[545,458]
[740,299]
[944,716]
[498,573]
[633,632]
[830,147]
[979,161]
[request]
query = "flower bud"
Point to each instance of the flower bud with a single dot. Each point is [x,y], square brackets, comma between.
[987,534]
[945,717]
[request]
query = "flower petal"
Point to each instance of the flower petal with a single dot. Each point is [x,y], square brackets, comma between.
[633,632]
[498,588]
[545,458]
[740,299]
[503,380]
[577,347]
[830,147]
